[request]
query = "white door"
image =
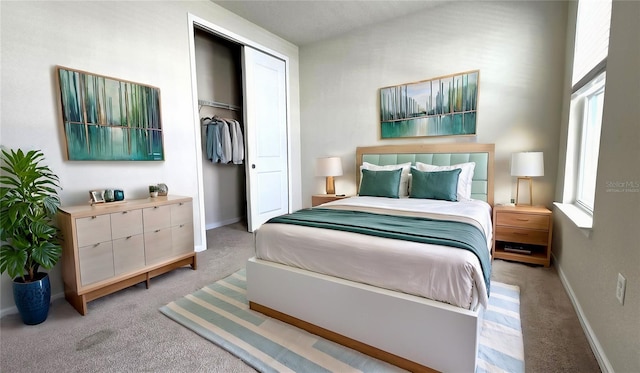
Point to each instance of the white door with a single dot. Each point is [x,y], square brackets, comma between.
[266,136]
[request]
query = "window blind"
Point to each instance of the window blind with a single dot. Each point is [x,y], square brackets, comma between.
[592,40]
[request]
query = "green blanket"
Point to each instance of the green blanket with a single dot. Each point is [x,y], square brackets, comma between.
[439,232]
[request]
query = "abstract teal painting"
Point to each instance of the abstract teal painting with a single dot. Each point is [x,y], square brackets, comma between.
[442,106]
[107,119]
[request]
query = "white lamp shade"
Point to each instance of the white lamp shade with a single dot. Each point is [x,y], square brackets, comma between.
[527,164]
[329,166]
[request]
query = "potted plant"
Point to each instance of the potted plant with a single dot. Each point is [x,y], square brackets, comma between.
[28,205]
[153,191]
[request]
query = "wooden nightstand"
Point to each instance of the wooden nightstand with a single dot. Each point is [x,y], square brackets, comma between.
[318,199]
[522,233]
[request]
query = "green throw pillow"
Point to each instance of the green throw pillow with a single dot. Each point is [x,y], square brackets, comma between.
[380,183]
[435,185]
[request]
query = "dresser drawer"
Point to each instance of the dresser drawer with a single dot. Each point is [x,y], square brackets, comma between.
[93,229]
[157,245]
[96,262]
[128,254]
[530,221]
[522,236]
[156,217]
[126,223]
[182,237]
[181,213]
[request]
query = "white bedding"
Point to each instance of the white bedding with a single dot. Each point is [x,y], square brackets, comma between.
[436,272]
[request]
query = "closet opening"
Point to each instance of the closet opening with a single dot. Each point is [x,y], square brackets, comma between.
[218,63]
[238,79]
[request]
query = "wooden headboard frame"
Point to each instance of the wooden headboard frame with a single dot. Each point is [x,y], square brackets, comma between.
[412,152]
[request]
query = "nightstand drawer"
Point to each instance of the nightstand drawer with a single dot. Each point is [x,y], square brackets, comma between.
[523,220]
[522,236]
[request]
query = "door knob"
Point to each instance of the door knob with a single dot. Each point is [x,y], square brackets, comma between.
[253,165]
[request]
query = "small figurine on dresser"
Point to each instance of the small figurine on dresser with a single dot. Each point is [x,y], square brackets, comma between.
[163,189]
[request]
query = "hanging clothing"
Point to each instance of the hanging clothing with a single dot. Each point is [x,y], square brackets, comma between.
[237,142]
[234,135]
[214,145]
[225,140]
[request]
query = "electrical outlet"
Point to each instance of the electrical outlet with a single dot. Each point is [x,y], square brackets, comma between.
[620,288]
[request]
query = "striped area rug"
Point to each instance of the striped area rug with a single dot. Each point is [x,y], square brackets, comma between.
[220,313]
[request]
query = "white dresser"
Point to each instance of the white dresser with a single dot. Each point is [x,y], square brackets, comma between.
[110,247]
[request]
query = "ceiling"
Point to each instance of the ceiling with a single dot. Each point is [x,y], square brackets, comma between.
[307,21]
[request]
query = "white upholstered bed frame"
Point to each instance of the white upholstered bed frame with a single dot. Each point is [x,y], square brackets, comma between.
[411,332]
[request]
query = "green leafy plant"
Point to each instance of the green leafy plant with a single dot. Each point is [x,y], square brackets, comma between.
[153,188]
[28,205]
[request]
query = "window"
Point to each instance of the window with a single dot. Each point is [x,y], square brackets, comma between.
[592,97]
[587,100]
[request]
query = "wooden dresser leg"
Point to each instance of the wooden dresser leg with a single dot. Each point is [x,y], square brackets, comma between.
[84,305]
[194,262]
[77,301]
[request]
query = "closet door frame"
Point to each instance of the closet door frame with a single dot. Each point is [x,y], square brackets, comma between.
[197,22]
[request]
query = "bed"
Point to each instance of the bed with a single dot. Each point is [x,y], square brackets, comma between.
[426,315]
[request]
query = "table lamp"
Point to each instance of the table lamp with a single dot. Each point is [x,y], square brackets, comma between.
[329,167]
[526,165]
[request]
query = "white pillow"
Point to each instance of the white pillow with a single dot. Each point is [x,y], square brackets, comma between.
[404,178]
[464,180]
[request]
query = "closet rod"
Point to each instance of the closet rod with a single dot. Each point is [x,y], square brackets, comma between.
[219,105]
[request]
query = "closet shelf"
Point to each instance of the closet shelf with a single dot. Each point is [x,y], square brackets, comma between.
[220,105]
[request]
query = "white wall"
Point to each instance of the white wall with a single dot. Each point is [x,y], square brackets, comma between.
[517,46]
[145,42]
[520,49]
[590,266]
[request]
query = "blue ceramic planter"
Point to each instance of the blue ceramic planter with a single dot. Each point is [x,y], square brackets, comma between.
[33,298]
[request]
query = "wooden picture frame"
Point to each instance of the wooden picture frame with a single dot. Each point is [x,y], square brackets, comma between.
[442,106]
[108,119]
[97,196]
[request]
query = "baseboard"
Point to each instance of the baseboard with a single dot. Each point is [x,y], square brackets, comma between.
[601,357]
[218,224]
[8,311]
[13,310]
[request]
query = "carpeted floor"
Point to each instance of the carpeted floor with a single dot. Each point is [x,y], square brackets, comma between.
[125,332]
[220,313]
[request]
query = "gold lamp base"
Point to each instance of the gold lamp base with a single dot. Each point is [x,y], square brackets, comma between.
[331,185]
[530,180]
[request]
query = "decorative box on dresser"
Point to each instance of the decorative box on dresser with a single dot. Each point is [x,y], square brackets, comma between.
[318,199]
[112,246]
[526,229]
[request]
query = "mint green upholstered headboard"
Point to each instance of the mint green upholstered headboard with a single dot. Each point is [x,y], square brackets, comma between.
[439,155]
